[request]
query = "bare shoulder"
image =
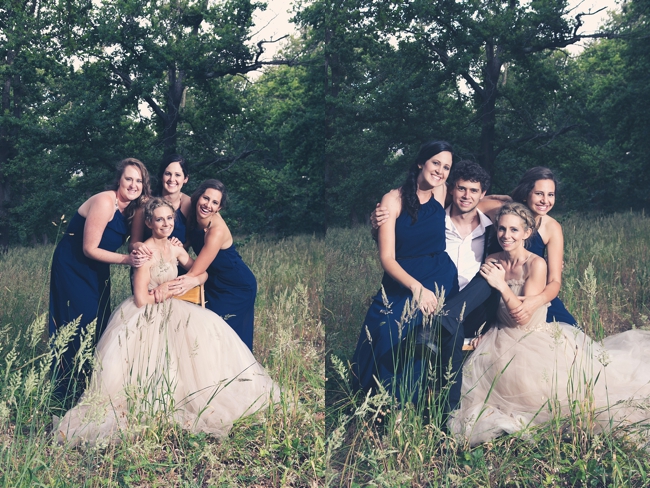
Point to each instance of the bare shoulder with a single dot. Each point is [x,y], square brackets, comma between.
[393,201]
[100,204]
[186,203]
[219,232]
[493,257]
[536,264]
[549,229]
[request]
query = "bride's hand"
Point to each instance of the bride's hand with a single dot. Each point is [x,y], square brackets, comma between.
[161,293]
[523,313]
[426,299]
[182,284]
[494,274]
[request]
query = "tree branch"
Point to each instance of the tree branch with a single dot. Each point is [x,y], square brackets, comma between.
[232,160]
[255,65]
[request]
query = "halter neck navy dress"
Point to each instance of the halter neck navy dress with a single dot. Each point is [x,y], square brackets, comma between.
[557,311]
[80,286]
[230,289]
[420,250]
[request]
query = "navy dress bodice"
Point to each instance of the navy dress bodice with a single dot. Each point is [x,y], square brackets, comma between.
[556,311]
[230,289]
[420,251]
[80,286]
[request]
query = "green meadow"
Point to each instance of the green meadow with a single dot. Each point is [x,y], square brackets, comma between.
[606,285]
[283,445]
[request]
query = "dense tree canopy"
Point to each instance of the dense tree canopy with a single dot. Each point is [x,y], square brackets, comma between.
[329,125]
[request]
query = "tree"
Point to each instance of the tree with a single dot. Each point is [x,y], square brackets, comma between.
[160,52]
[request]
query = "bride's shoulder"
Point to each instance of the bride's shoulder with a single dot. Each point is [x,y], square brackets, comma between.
[535,265]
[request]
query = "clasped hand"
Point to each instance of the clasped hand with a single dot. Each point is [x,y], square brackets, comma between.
[494,273]
[426,300]
[174,288]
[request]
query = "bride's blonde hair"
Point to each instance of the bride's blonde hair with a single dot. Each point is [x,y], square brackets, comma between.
[521,211]
[154,203]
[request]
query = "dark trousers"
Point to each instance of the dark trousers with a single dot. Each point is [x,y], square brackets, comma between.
[464,314]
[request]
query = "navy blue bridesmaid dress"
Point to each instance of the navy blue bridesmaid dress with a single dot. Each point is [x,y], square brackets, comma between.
[80,286]
[557,311]
[420,251]
[230,289]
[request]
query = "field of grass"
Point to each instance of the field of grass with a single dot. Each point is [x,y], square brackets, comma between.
[281,446]
[606,285]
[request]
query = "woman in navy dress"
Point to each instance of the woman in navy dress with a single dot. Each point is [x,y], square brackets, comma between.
[172,176]
[536,190]
[412,253]
[231,286]
[80,285]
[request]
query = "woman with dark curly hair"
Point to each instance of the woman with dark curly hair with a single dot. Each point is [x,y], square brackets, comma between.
[416,271]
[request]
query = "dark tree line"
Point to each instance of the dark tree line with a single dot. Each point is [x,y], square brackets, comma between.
[331,123]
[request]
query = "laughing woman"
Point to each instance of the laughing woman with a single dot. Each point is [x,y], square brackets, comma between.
[80,284]
[231,286]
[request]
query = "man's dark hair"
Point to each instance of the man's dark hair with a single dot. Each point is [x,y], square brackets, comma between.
[469,171]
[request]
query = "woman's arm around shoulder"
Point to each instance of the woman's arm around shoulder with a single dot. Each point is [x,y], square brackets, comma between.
[491,204]
[216,238]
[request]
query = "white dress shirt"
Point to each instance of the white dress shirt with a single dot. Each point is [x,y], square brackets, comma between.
[467,253]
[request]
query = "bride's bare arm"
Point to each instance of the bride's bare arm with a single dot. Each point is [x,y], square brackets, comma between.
[141,278]
[495,275]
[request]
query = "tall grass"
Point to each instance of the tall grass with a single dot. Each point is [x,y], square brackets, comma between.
[607,288]
[281,446]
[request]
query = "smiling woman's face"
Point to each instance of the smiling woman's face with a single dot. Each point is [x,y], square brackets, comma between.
[208,204]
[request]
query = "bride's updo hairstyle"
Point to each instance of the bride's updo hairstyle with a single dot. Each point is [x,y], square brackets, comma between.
[527,182]
[408,191]
[521,211]
[154,203]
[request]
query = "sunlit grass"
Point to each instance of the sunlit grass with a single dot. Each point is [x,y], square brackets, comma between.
[281,446]
[607,288]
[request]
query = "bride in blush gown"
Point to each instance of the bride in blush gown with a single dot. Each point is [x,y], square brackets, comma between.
[174,359]
[525,375]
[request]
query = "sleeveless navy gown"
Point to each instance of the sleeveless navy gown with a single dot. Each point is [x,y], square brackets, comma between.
[420,250]
[80,286]
[230,289]
[557,311]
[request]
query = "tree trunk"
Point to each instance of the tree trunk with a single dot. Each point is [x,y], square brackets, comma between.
[172,116]
[488,100]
